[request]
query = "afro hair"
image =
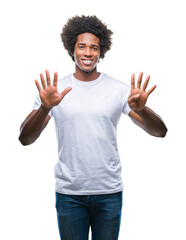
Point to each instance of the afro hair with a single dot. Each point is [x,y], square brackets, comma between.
[86,24]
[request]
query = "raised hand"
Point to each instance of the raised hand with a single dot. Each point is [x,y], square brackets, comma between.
[139,96]
[49,95]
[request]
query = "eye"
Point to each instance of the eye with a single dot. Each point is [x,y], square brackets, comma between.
[94,48]
[81,47]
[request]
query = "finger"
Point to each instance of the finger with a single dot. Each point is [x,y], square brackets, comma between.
[65,91]
[139,80]
[37,85]
[132,101]
[55,79]
[132,81]
[146,83]
[132,105]
[48,78]
[133,98]
[151,90]
[42,80]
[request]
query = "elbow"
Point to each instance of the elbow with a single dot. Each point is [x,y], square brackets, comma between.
[162,133]
[27,139]
[24,141]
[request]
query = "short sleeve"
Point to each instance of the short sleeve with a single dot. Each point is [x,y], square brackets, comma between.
[37,105]
[125,94]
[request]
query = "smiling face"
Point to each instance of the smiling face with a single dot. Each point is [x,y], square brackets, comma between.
[86,53]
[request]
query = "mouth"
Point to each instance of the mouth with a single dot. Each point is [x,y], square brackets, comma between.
[87,62]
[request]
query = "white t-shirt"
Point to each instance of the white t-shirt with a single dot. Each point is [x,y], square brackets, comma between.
[86,124]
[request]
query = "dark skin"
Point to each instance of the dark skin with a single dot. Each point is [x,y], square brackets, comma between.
[142,115]
[86,49]
[37,120]
[86,53]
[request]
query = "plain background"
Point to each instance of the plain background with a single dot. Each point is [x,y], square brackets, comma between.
[149,36]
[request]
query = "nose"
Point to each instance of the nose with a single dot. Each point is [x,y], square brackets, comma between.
[87,52]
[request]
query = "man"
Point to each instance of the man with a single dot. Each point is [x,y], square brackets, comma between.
[86,107]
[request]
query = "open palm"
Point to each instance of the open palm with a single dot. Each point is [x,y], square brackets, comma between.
[139,96]
[49,95]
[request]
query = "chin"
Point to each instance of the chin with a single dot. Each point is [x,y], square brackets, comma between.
[87,70]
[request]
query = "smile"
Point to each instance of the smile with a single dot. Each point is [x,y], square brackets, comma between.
[87,61]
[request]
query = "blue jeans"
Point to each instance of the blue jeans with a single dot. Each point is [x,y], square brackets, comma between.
[76,213]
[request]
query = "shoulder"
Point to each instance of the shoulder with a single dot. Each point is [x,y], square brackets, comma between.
[64,82]
[117,84]
[65,78]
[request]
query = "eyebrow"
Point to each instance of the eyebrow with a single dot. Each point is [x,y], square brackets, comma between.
[92,45]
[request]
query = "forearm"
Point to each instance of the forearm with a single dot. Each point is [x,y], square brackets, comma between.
[33,125]
[151,122]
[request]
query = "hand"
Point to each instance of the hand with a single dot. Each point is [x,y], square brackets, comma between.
[49,94]
[139,96]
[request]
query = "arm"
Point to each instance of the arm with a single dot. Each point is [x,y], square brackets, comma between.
[149,121]
[33,125]
[37,120]
[141,115]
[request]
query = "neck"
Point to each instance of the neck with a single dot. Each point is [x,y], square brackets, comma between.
[86,76]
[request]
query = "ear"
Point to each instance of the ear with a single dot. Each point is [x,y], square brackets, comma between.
[99,58]
[72,56]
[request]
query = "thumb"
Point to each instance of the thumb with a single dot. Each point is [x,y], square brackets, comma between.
[65,91]
[133,98]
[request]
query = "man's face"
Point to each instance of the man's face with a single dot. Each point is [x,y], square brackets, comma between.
[86,52]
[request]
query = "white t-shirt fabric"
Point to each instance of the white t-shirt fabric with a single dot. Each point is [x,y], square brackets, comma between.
[86,127]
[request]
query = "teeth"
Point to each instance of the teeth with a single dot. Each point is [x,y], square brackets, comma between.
[87,61]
